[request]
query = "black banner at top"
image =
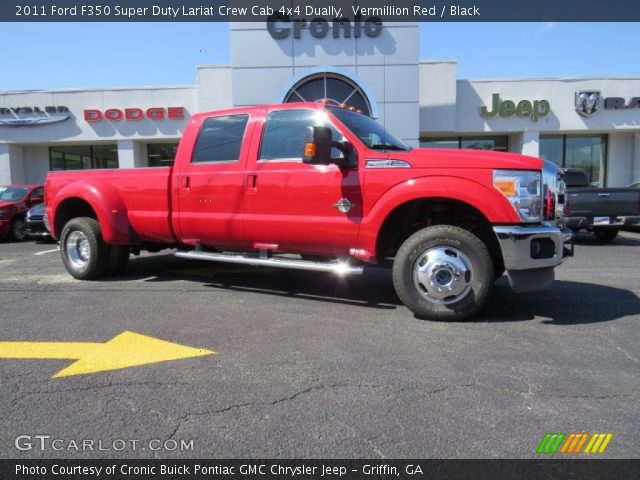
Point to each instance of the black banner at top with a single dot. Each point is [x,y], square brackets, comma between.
[259,10]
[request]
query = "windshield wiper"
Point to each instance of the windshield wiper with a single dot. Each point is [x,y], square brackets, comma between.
[379,146]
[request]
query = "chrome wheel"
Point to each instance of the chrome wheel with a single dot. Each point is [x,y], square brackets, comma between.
[78,249]
[442,274]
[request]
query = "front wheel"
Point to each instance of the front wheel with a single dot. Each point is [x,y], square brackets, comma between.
[84,253]
[443,273]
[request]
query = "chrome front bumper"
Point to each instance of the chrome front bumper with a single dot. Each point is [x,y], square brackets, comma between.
[533,247]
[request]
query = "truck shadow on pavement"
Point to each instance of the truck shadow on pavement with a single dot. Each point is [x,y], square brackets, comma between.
[563,303]
[374,289]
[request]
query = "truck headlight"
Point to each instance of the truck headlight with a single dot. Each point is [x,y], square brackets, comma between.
[524,190]
[3,212]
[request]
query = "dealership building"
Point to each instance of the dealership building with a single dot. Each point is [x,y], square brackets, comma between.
[590,123]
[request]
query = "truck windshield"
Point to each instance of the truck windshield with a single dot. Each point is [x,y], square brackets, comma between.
[370,132]
[13,194]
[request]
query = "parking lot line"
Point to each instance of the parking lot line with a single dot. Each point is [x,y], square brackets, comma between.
[47,251]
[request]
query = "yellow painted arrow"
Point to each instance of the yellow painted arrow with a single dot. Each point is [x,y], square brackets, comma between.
[126,350]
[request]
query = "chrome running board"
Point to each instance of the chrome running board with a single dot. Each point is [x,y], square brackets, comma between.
[337,267]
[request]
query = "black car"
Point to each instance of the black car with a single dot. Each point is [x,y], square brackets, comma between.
[34,222]
[602,211]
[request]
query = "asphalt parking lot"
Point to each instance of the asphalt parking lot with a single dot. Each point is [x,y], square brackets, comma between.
[309,365]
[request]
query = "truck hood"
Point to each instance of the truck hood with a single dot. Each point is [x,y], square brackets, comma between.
[452,158]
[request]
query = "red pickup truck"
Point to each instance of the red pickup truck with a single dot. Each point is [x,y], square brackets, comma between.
[324,188]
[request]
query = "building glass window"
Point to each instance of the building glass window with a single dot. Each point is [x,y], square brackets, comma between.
[161,154]
[335,89]
[497,143]
[81,157]
[105,156]
[440,143]
[552,149]
[586,152]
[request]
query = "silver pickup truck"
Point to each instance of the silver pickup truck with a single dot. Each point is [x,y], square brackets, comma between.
[602,211]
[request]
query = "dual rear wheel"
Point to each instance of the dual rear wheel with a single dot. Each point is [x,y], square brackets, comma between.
[84,253]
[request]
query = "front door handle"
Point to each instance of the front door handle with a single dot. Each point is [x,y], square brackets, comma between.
[186,181]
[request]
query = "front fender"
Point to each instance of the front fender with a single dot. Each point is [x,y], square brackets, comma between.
[106,202]
[488,201]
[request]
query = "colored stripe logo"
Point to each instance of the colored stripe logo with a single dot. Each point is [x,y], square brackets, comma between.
[598,443]
[573,443]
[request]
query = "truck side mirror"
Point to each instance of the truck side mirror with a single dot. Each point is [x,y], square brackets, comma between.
[318,150]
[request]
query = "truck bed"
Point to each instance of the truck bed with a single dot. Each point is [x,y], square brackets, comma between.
[145,193]
[602,202]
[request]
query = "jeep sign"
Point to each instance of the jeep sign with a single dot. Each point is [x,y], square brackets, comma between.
[535,109]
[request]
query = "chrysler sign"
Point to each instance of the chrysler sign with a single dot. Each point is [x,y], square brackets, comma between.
[30,116]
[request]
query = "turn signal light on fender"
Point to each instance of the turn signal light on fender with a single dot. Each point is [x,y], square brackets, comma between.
[507,187]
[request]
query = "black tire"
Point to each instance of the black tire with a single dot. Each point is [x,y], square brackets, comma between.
[18,232]
[606,234]
[92,261]
[118,260]
[449,247]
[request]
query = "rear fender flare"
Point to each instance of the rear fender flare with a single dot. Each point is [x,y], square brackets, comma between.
[106,202]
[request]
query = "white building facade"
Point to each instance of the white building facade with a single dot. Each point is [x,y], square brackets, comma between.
[590,123]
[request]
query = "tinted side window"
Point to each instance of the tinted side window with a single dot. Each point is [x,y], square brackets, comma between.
[220,139]
[286,132]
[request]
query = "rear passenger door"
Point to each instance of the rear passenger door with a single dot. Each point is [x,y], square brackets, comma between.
[210,185]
